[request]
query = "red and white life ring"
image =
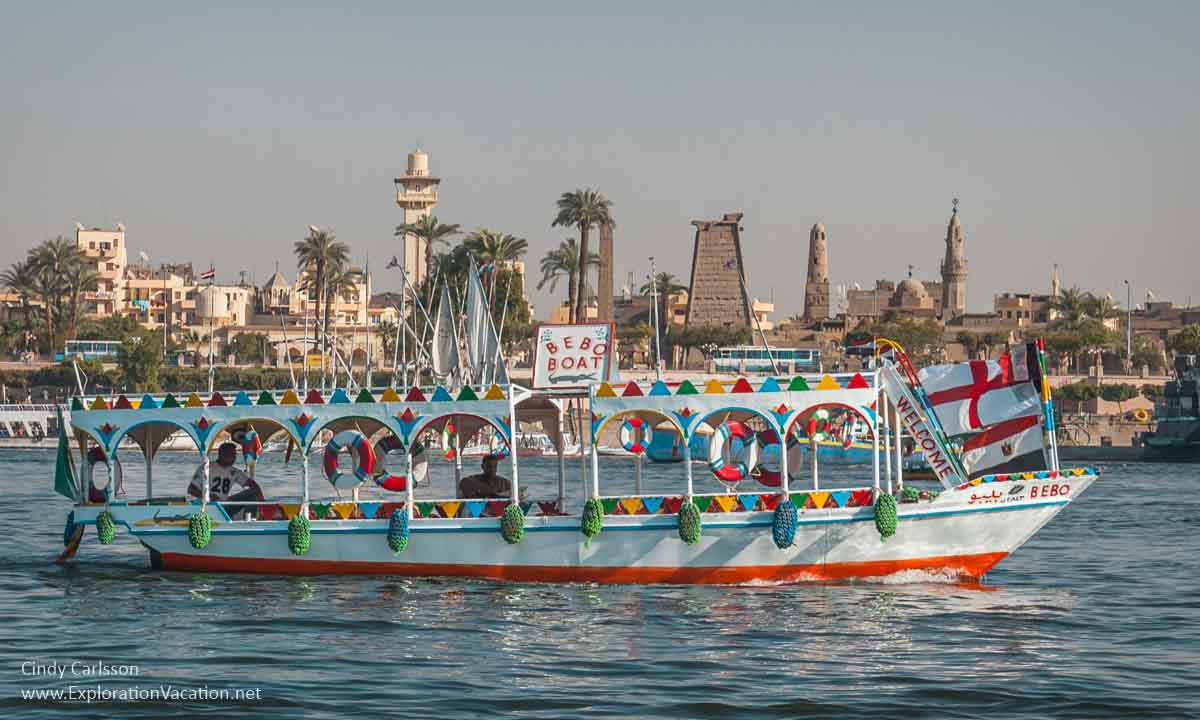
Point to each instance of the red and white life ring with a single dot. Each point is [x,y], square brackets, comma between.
[636,435]
[96,493]
[768,470]
[398,483]
[739,441]
[362,457]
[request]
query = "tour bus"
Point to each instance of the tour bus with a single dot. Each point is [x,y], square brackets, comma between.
[750,359]
[102,350]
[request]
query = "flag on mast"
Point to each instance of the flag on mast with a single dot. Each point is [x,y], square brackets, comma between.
[209,274]
[484,360]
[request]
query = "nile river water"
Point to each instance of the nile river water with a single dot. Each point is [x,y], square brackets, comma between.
[1097,616]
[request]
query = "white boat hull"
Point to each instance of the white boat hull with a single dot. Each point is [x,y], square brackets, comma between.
[962,533]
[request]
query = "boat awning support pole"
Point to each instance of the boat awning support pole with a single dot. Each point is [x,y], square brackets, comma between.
[303,480]
[583,458]
[815,451]
[875,431]
[885,428]
[206,491]
[562,459]
[411,482]
[512,445]
[637,474]
[687,465]
[457,461]
[899,451]
[595,453]
[783,462]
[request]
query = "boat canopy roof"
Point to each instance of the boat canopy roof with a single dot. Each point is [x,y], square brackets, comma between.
[149,421]
[688,406]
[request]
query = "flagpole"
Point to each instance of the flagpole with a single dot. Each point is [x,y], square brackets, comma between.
[503,316]
[211,307]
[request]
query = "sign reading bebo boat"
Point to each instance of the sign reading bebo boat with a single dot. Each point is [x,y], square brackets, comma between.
[572,356]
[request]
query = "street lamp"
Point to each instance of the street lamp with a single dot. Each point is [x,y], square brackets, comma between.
[1129,324]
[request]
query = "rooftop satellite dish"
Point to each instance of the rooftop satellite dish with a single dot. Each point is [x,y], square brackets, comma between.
[121,227]
[142,254]
[314,229]
[78,226]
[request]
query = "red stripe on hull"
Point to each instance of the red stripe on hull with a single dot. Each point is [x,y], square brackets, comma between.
[967,566]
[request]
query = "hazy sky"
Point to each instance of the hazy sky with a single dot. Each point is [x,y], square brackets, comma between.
[221,132]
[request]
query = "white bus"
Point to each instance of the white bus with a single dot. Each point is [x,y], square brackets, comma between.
[755,359]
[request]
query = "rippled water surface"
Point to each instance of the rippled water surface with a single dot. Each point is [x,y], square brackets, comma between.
[1097,616]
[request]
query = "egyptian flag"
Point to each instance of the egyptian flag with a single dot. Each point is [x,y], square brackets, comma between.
[208,274]
[970,396]
[1009,447]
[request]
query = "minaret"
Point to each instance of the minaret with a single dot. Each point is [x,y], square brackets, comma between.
[816,290]
[416,194]
[954,269]
[1055,283]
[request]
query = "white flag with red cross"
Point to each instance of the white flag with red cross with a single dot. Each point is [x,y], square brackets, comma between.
[970,396]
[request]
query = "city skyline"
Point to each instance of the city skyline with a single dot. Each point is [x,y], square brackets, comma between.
[216,130]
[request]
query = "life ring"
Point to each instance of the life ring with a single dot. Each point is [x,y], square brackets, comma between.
[398,483]
[249,441]
[636,435]
[362,456]
[741,460]
[448,433]
[1140,415]
[767,472]
[497,447]
[96,493]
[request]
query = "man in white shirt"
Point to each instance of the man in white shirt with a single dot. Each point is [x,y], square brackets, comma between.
[223,476]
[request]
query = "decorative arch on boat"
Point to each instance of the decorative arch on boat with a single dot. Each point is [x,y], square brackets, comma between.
[612,424]
[863,413]
[739,413]
[266,427]
[369,425]
[468,424]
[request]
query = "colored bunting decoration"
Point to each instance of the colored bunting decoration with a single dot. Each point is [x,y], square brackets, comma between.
[723,502]
[289,398]
[475,508]
[860,498]
[450,509]
[467,394]
[840,498]
[828,383]
[686,388]
[122,403]
[440,395]
[817,499]
[769,385]
[671,505]
[343,509]
[389,395]
[742,386]
[609,505]
[652,504]
[364,396]
[339,397]
[660,389]
[798,384]
[289,510]
[631,505]
[632,390]
[314,398]
[217,400]
[858,382]
[414,395]
[266,398]
[242,399]
[769,502]
[147,403]
[605,391]
[494,393]
[714,387]
[748,502]
[368,510]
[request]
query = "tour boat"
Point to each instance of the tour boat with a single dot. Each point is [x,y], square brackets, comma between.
[29,426]
[744,521]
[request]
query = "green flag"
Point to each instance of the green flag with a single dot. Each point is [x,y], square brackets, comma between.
[64,471]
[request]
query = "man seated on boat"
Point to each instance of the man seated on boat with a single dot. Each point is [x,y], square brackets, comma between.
[487,484]
[222,476]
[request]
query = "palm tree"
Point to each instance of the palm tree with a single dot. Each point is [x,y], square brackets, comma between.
[339,280]
[20,279]
[583,209]
[495,246]
[432,231]
[1071,306]
[52,261]
[316,255]
[564,260]
[80,278]
[1099,308]
[386,332]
